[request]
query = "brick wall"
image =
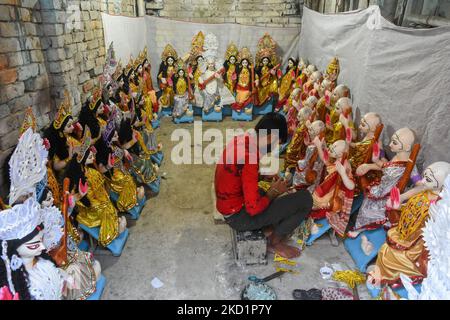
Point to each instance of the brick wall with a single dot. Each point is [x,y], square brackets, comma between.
[271,13]
[47,46]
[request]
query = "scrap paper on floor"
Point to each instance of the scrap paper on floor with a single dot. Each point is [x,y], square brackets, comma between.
[156,283]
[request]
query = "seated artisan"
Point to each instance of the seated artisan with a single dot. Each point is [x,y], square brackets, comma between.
[243,204]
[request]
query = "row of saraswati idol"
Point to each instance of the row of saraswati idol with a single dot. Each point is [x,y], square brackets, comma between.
[200,83]
[371,196]
[71,188]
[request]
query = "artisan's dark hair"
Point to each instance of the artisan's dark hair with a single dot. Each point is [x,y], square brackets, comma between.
[273,121]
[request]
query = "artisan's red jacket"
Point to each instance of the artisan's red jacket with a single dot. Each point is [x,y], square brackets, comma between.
[236,179]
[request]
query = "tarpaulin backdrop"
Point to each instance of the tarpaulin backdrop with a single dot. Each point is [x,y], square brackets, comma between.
[401,73]
[131,35]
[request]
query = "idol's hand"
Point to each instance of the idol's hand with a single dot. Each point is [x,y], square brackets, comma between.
[82,188]
[340,168]
[111,160]
[128,156]
[362,169]
[317,142]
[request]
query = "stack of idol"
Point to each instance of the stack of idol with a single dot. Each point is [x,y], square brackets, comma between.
[376,204]
[79,182]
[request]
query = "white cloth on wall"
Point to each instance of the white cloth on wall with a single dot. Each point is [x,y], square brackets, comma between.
[401,73]
[130,35]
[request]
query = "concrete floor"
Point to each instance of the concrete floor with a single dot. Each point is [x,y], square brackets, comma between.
[176,240]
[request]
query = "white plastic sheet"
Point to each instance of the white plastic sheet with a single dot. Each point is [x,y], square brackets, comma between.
[401,73]
[131,35]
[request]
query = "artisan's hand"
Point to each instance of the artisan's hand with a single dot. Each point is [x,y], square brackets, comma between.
[277,188]
[163,80]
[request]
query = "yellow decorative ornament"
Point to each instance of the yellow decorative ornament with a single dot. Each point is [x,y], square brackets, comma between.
[232,51]
[138,61]
[196,46]
[333,69]
[350,277]
[282,260]
[180,64]
[64,111]
[267,48]
[169,51]
[129,66]
[29,121]
[245,54]
[145,52]
[119,70]
[143,55]
[264,185]
[84,146]
[96,96]
[278,269]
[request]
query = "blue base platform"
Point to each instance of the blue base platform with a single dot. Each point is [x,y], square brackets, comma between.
[198,111]
[326,226]
[242,116]
[116,246]
[156,123]
[374,293]
[227,111]
[265,108]
[167,112]
[155,185]
[135,212]
[100,286]
[157,157]
[353,246]
[212,115]
[184,118]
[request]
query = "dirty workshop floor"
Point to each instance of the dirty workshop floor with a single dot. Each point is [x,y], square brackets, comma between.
[177,241]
